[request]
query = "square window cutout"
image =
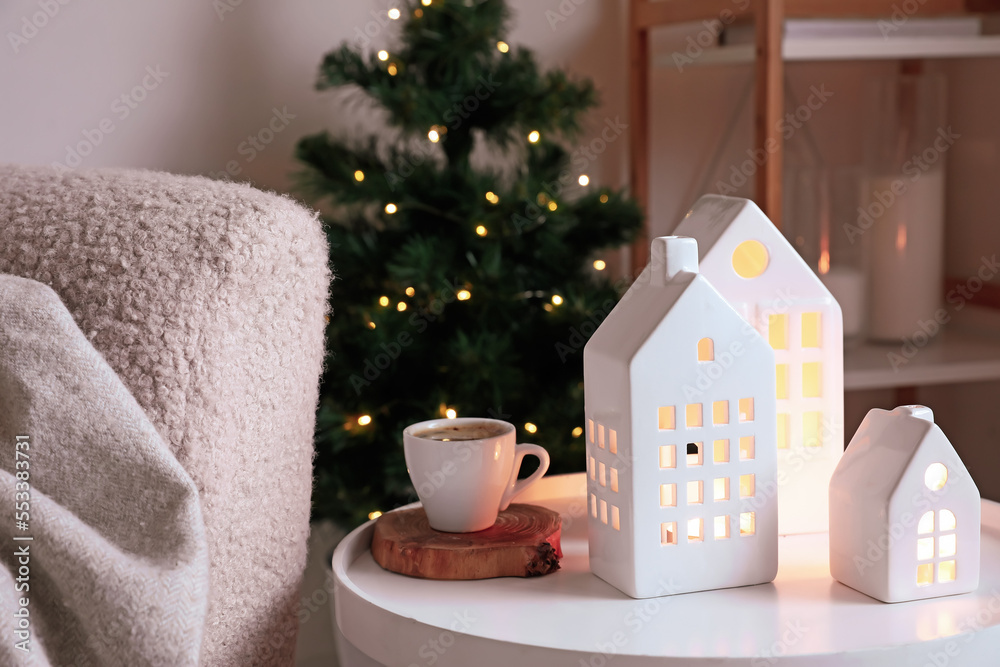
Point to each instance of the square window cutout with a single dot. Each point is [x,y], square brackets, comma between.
[720,453]
[666,418]
[668,456]
[721,527]
[693,415]
[720,490]
[720,412]
[695,454]
[781,380]
[695,492]
[696,530]
[946,545]
[925,548]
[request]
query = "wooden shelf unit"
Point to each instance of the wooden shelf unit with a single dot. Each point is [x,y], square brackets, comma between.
[953,357]
[864,48]
[768,54]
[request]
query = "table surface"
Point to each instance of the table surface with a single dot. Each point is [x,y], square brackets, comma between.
[573,618]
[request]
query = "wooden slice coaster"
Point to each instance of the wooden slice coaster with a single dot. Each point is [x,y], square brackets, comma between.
[524,542]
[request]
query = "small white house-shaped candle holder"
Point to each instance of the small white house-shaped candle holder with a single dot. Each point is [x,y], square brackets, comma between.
[681,457]
[761,275]
[904,512]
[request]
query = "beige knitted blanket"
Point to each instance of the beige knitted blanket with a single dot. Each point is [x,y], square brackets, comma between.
[104,559]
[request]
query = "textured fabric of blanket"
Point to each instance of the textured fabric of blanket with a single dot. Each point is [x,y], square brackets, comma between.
[108,564]
[208,300]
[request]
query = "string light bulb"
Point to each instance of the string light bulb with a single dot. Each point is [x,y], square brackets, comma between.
[410,291]
[425,3]
[401,306]
[553,206]
[434,136]
[578,431]
[383,301]
[583,180]
[392,69]
[604,199]
[492,198]
[418,12]
[393,13]
[364,420]
[481,230]
[600,264]
[450,413]
[530,428]
[556,300]
[359,175]
[534,136]
[464,295]
[371,325]
[503,47]
[383,55]
[374,515]
[390,208]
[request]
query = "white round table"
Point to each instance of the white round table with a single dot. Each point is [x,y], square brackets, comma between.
[573,619]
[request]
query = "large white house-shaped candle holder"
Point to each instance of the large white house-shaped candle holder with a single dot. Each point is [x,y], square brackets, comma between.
[681,457]
[761,275]
[904,512]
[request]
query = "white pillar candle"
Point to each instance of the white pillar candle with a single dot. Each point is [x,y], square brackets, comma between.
[905,220]
[847,285]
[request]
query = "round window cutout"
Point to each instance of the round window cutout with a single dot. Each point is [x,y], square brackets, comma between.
[750,259]
[935,476]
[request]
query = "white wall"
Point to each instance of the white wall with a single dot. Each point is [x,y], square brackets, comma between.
[226,64]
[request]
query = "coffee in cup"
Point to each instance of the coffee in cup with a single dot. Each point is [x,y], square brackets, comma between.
[461,432]
[465,470]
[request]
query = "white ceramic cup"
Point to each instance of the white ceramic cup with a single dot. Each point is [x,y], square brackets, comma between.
[464,484]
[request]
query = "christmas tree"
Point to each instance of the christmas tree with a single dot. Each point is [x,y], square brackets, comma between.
[464,285]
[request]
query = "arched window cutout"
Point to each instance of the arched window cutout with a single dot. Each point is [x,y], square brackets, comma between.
[706,350]
[946,520]
[750,259]
[926,524]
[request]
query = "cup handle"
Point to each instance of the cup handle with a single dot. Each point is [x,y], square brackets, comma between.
[514,486]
